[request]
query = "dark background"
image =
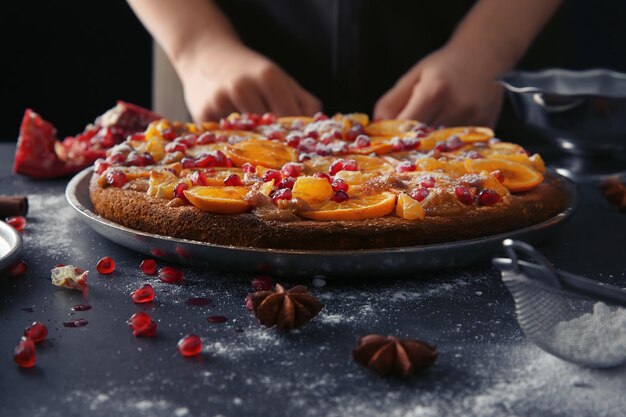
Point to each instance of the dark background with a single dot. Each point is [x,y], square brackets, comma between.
[70,61]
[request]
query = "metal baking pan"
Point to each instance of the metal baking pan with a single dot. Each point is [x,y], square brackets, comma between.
[10,245]
[301,263]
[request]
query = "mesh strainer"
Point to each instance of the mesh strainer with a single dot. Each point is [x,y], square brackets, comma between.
[574,318]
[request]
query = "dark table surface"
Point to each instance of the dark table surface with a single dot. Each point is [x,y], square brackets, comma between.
[486,366]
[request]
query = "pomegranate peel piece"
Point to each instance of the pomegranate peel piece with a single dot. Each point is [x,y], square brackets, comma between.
[71,277]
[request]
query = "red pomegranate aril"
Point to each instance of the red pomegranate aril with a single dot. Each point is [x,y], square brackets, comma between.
[411,144]
[322,150]
[488,197]
[220,159]
[276,135]
[287,183]
[142,325]
[291,169]
[139,159]
[148,266]
[319,116]
[350,165]
[354,131]
[340,196]
[262,283]
[307,145]
[419,194]
[282,194]
[105,266]
[188,140]
[100,166]
[498,174]
[116,178]
[188,162]
[171,275]
[397,144]
[336,166]
[216,319]
[17,222]
[268,119]
[175,147]
[198,178]
[362,141]
[206,138]
[248,168]
[233,180]
[464,195]
[169,134]
[441,147]
[428,182]
[406,166]
[248,303]
[179,190]
[272,174]
[313,134]
[327,138]
[139,137]
[340,185]
[293,140]
[37,332]
[226,124]
[24,354]
[142,295]
[190,345]
[325,176]
[205,161]
[453,143]
[116,158]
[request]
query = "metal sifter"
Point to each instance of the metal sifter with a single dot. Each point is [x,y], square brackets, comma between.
[574,318]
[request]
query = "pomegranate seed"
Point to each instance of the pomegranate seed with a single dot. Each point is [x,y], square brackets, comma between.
[139,159]
[18,269]
[313,134]
[220,159]
[275,135]
[262,283]
[473,155]
[81,307]
[322,150]
[272,174]
[198,178]
[116,178]
[307,145]
[249,306]
[340,196]
[327,138]
[398,144]
[498,174]
[419,194]
[411,144]
[350,165]
[142,325]
[287,183]
[101,165]
[142,295]
[268,119]
[148,266]
[340,185]
[169,134]
[362,141]
[488,197]
[188,162]
[233,180]
[37,332]
[188,140]
[319,116]
[453,143]
[291,169]
[354,132]
[336,166]
[441,147]
[157,252]
[139,137]
[248,168]
[205,161]
[216,319]
[179,190]
[463,194]
[190,345]
[226,124]
[17,222]
[116,158]
[325,176]
[175,147]
[406,166]
[171,275]
[293,140]
[24,354]
[105,266]
[282,194]
[428,182]
[206,138]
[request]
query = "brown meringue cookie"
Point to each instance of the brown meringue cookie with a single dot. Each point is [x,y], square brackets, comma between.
[614,191]
[285,309]
[392,356]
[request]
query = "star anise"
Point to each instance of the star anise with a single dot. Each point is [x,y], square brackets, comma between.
[614,190]
[285,309]
[389,355]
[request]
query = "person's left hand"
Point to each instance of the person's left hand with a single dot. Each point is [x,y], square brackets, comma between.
[448,87]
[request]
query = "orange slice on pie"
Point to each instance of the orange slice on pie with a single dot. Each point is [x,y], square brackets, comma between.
[356,208]
[390,127]
[294,121]
[313,190]
[408,208]
[365,163]
[221,200]
[468,134]
[517,177]
[267,153]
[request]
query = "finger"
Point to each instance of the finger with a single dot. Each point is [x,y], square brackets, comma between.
[309,104]
[221,106]
[393,101]
[424,104]
[280,95]
[246,97]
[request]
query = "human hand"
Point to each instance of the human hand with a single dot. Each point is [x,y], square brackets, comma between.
[448,87]
[222,79]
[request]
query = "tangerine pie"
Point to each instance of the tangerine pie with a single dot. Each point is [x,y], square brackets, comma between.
[322,182]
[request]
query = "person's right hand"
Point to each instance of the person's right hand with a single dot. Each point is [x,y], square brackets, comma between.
[226,78]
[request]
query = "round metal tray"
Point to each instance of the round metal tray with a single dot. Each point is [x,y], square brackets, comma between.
[10,245]
[299,263]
